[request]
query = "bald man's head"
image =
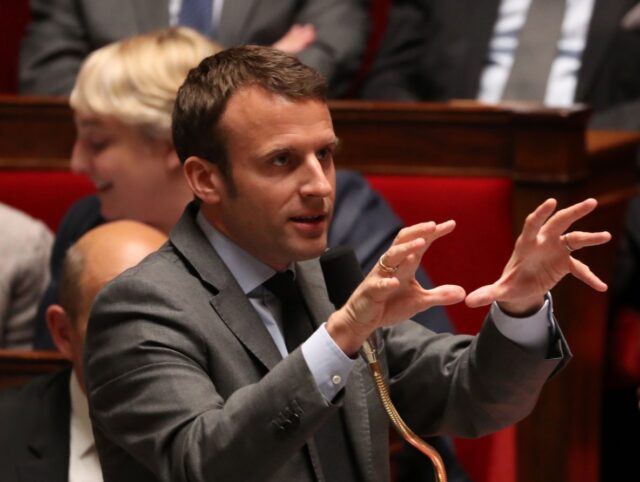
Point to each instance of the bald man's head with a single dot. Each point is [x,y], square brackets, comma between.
[99,256]
[95,259]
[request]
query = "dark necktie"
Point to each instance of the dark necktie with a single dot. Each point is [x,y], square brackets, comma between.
[334,450]
[536,52]
[197,14]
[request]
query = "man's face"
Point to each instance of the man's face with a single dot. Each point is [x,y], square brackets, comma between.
[281,158]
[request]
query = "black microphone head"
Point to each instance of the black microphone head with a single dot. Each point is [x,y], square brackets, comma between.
[342,273]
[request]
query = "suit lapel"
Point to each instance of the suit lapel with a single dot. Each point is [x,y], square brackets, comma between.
[355,404]
[607,15]
[48,441]
[234,20]
[228,300]
[150,14]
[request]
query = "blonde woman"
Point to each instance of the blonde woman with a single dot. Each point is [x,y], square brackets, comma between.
[122,102]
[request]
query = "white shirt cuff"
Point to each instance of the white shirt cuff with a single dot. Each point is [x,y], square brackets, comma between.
[328,364]
[532,332]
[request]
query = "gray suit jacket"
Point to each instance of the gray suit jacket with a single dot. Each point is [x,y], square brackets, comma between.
[63,32]
[185,382]
[25,246]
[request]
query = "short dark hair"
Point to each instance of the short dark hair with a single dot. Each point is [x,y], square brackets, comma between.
[203,97]
[70,293]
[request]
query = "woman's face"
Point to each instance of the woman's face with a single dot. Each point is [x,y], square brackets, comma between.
[129,170]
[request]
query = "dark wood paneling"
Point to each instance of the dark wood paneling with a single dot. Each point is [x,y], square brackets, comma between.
[17,367]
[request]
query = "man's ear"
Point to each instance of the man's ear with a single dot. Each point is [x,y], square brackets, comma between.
[60,327]
[204,179]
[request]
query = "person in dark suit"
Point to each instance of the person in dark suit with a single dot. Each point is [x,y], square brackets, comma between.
[63,33]
[199,368]
[431,52]
[46,432]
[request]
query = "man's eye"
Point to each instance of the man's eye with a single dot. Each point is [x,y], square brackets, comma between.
[324,154]
[280,160]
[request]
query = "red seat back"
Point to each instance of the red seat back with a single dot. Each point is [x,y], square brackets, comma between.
[472,256]
[45,195]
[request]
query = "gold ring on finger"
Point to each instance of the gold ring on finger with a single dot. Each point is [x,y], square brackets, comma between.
[385,268]
[566,243]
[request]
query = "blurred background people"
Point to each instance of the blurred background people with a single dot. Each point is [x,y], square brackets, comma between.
[329,35]
[122,104]
[559,52]
[46,431]
[25,247]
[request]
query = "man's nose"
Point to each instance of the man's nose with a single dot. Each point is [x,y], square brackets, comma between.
[317,182]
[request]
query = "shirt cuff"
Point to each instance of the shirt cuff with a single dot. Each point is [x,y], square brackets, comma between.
[328,364]
[533,333]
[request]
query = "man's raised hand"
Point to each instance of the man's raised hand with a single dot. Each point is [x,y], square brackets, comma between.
[541,258]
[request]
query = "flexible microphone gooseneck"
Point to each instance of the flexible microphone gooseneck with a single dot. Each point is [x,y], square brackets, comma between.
[342,275]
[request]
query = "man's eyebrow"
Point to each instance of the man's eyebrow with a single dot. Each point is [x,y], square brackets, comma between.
[278,149]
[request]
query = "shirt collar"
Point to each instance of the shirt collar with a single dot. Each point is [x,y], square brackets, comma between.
[248,271]
[80,422]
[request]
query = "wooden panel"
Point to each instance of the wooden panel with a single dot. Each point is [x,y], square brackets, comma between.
[17,367]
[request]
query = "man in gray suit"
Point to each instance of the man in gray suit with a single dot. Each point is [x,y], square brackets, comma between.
[329,35]
[192,366]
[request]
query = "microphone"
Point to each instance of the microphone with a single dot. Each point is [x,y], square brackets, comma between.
[342,275]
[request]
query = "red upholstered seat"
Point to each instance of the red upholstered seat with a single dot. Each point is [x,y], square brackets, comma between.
[45,195]
[472,256]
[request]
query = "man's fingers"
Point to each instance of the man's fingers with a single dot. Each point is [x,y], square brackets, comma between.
[584,274]
[420,230]
[580,239]
[439,296]
[398,253]
[430,231]
[410,245]
[483,296]
[536,219]
[444,295]
[380,289]
[564,218]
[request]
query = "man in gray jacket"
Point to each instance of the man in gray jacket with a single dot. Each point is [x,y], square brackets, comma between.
[220,357]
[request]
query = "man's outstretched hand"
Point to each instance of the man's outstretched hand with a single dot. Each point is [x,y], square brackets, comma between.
[541,258]
[390,293]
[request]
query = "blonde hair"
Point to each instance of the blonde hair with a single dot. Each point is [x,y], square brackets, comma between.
[136,80]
